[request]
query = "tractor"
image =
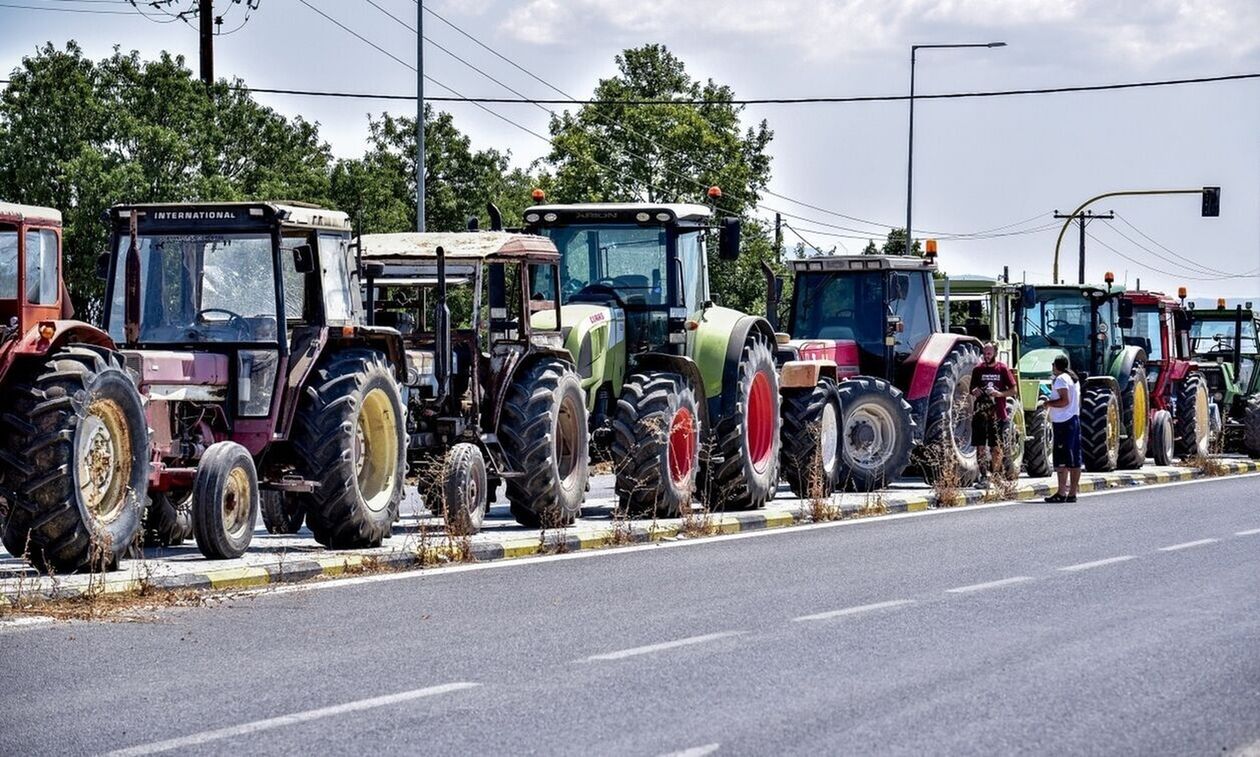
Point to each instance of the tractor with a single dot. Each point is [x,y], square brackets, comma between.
[491,397]
[73,438]
[1087,324]
[264,389]
[1223,341]
[682,393]
[867,328]
[984,308]
[1180,422]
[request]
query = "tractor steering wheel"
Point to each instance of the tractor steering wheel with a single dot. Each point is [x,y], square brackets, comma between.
[599,289]
[234,319]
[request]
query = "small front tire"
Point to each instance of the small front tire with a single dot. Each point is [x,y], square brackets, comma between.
[225,501]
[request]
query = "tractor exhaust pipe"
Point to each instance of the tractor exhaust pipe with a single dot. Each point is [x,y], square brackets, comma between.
[442,351]
[1238,324]
[131,283]
[772,295]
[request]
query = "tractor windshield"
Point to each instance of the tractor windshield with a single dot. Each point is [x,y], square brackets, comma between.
[200,288]
[1065,318]
[1146,332]
[8,263]
[841,306]
[628,261]
[1208,337]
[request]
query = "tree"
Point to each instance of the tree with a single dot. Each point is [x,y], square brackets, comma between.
[896,244]
[380,188]
[611,151]
[81,136]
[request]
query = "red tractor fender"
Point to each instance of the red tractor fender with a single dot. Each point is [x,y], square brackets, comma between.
[925,361]
[36,344]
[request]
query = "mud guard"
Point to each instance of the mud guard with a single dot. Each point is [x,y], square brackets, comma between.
[920,369]
[660,361]
[1121,367]
[523,364]
[723,403]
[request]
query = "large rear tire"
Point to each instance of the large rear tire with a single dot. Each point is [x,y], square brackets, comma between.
[1135,403]
[810,439]
[742,473]
[544,434]
[947,434]
[349,436]
[877,434]
[1162,437]
[75,449]
[1193,421]
[1039,441]
[1100,428]
[656,445]
[1251,427]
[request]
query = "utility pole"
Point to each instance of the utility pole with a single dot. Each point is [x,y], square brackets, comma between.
[778,236]
[420,115]
[205,9]
[1083,220]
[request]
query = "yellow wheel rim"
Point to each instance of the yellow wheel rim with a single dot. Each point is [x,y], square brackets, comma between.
[237,504]
[376,450]
[1113,427]
[103,460]
[1141,405]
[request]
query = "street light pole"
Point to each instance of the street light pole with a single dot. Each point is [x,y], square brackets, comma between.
[420,115]
[910,152]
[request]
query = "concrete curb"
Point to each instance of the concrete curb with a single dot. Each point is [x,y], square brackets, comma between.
[442,552]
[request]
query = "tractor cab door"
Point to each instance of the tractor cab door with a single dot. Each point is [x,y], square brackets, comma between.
[9,310]
[911,299]
[30,279]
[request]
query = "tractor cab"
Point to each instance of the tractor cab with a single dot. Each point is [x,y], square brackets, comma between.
[1083,322]
[30,281]
[869,313]
[1161,327]
[1224,343]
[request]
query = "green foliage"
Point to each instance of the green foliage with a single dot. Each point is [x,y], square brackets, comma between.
[80,136]
[895,244]
[607,152]
[380,188]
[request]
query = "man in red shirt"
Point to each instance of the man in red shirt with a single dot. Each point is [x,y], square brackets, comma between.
[991,384]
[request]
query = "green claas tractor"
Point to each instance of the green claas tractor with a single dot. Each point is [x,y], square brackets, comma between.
[73,438]
[1223,341]
[1086,323]
[984,308]
[864,343]
[682,393]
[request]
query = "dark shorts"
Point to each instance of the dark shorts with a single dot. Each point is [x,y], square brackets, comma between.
[987,430]
[1067,444]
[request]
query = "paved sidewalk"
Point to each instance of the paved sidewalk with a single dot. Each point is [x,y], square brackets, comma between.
[420,541]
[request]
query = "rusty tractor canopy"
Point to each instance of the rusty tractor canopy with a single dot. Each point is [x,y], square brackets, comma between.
[15,213]
[413,246]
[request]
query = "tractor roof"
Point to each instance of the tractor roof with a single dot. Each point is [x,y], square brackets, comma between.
[291,213]
[1147,298]
[862,262]
[13,212]
[461,245]
[630,212]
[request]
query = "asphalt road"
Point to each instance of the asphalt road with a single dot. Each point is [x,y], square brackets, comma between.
[1126,623]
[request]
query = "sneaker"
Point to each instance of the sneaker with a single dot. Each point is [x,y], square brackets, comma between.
[1070,498]
[1057,498]
[982,483]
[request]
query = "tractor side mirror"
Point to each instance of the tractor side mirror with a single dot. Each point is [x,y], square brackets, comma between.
[1029,300]
[1126,309]
[303,258]
[1124,323]
[102,265]
[728,239]
[1181,320]
[975,309]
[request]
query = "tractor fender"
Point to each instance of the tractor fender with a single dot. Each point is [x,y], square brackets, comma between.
[925,361]
[380,338]
[805,374]
[33,344]
[1122,364]
[518,365]
[1108,381]
[719,339]
[660,361]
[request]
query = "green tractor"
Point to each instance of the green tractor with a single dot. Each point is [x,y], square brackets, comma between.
[1088,324]
[984,307]
[1223,341]
[681,393]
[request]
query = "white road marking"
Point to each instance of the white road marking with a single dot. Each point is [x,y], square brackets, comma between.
[1098,563]
[650,648]
[588,554]
[1188,545]
[218,734]
[856,610]
[34,620]
[695,751]
[989,585]
[1252,532]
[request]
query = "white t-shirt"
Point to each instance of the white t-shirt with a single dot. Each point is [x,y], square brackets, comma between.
[1063,384]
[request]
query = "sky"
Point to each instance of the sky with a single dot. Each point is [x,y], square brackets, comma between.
[980,164]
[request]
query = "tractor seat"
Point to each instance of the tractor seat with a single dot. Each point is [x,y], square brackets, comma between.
[1139,341]
[404,323]
[837,333]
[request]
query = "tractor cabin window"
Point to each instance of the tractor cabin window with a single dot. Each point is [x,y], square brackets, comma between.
[8,263]
[340,291]
[41,267]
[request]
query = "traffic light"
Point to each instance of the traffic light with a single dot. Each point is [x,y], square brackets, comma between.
[1211,202]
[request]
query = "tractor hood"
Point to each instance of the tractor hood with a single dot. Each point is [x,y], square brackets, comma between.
[843,352]
[590,330]
[1036,364]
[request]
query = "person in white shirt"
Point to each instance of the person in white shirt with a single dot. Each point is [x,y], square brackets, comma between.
[1065,415]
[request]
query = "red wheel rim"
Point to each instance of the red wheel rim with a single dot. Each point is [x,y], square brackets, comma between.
[759,421]
[682,446]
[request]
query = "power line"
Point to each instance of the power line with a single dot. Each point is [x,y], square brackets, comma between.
[17,6]
[1179,274]
[1125,221]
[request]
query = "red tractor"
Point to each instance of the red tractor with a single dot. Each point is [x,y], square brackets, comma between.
[73,437]
[1179,412]
[869,376]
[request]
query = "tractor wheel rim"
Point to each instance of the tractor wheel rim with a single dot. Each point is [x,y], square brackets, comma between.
[104,460]
[759,422]
[828,438]
[567,435]
[472,495]
[963,410]
[681,446]
[1113,429]
[376,450]
[1140,409]
[869,433]
[1202,417]
[236,505]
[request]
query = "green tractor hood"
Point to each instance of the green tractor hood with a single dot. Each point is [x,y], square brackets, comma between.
[594,335]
